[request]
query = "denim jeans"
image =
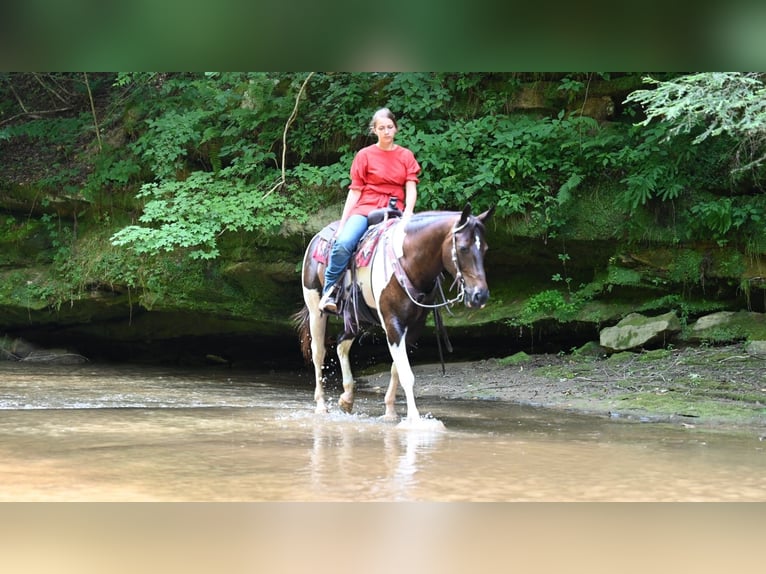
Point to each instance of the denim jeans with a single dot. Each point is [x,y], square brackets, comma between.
[342,249]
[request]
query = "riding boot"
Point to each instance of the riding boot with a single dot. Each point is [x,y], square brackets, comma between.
[329,301]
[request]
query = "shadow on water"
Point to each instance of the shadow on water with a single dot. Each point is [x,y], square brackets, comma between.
[127,433]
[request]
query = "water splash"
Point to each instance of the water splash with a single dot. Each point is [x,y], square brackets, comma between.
[425,423]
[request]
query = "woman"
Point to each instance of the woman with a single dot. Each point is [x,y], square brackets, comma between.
[380,173]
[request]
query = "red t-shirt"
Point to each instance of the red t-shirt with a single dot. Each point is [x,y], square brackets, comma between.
[381,174]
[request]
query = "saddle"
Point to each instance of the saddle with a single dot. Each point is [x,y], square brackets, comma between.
[378,221]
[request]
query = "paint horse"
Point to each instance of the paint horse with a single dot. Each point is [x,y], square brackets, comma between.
[396,289]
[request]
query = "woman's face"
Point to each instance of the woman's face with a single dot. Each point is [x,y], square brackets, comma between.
[385,130]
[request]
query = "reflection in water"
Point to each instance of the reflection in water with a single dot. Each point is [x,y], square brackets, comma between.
[386,458]
[95,433]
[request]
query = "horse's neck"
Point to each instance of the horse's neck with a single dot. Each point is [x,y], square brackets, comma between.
[423,250]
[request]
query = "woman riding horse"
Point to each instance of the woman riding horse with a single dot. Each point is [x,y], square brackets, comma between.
[399,285]
[383,174]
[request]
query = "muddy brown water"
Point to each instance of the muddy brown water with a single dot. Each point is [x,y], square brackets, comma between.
[130,433]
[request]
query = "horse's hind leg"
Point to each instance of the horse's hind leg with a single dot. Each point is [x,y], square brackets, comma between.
[317,327]
[346,400]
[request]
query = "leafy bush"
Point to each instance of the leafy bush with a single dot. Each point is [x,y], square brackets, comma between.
[548,303]
[193,213]
[212,153]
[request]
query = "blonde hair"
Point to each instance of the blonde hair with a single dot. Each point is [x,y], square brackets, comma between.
[382,113]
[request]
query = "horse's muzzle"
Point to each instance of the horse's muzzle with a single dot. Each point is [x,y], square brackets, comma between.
[476,297]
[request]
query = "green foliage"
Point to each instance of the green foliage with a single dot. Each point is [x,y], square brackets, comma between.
[710,104]
[62,136]
[212,157]
[212,166]
[110,172]
[532,168]
[622,276]
[687,268]
[715,102]
[207,122]
[725,214]
[191,214]
[515,359]
[418,95]
[13,229]
[53,131]
[548,303]
[318,178]
[165,143]
[212,153]
[524,166]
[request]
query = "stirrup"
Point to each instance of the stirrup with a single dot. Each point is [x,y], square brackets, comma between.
[328,303]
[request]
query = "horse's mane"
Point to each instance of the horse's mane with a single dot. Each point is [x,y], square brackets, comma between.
[425,218]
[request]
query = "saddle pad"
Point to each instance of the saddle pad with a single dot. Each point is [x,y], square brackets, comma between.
[322,250]
[369,241]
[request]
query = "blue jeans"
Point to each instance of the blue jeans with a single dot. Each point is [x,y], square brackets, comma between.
[343,248]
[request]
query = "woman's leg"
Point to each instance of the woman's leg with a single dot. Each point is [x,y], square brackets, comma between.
[342,249]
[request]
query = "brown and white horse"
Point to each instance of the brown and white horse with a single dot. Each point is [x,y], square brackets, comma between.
[396,289]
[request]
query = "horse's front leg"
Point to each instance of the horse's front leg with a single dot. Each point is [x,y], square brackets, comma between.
[405,376]
[346,400]
[390,398]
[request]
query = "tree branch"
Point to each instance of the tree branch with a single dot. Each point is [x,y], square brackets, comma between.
[290,120]
[18,99]
[34,114]
[48,89]
[93,110]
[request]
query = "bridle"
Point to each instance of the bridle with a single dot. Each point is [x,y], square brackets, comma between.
[459,279]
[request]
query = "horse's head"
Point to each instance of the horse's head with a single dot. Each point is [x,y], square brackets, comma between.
[468,249]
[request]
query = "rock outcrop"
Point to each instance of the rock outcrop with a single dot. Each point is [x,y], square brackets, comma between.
[636,331]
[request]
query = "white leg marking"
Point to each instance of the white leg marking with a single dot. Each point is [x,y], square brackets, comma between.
[406,376]
[346,400]
[317,326]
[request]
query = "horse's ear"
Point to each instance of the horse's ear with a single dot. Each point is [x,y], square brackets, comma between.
[465,215]
[484,217]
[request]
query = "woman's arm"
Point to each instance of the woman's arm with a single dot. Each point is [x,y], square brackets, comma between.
[410,197]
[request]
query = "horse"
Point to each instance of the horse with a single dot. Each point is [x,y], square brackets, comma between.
[395,287]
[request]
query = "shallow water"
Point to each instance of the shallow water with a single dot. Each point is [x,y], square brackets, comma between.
[133,433]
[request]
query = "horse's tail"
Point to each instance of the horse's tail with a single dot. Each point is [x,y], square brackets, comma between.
[301,322]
